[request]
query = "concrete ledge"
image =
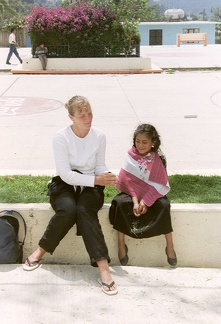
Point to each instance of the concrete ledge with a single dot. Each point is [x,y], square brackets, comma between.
[196,227]
[93,64]
[88,65]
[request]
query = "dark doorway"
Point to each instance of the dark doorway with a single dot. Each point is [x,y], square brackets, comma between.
[155,36]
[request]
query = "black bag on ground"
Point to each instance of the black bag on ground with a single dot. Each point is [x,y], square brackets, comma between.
[11,244]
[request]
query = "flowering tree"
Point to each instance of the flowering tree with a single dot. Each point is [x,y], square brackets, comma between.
[84,29]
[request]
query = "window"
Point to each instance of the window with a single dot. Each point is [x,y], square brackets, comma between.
[190,30]
[155,36]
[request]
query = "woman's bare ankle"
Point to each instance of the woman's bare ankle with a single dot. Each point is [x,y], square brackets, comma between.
[37,254]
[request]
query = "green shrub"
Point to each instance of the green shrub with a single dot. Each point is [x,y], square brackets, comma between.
[82,30]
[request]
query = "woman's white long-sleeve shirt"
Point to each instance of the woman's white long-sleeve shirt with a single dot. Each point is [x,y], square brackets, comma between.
[86,155]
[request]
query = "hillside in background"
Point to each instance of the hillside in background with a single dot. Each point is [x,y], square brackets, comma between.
[189,6]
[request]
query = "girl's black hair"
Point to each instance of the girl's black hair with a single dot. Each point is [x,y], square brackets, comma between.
[151,132]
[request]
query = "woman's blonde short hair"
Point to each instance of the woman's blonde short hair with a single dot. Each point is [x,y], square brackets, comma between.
[77,103]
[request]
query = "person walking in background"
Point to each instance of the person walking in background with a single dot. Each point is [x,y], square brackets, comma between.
[41,52]
[12,46]
[77,191]
[142,209]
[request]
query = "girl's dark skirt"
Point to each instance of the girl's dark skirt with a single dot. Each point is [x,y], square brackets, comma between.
[155,222]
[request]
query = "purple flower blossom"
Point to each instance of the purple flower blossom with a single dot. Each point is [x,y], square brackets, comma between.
[80,16]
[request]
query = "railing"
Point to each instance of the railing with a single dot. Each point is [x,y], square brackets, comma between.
[67,51]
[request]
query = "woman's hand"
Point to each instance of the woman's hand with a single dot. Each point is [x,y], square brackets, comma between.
[106,179]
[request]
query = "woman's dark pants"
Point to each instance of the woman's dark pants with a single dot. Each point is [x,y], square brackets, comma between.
[83,210]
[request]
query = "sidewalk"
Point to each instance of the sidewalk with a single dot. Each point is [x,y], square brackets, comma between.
[69,294]
[165,57]
[186,56]
[185,107]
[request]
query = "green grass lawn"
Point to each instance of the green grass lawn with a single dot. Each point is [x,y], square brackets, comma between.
[184,189]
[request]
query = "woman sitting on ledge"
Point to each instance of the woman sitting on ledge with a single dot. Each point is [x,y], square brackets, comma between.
[76,193]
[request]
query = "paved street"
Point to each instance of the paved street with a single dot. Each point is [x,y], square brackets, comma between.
[184,106]
[186,109]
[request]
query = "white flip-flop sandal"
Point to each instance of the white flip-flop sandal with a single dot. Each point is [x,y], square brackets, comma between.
[32,265]
[107,292]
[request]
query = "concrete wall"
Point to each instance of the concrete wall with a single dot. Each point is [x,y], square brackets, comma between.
[197,237]
[93,64]
[171,29]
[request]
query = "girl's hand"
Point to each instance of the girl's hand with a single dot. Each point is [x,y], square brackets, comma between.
[143,207]
[136,209]
[136,206]
[139,208]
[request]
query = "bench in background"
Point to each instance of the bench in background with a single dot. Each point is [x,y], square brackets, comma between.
[192,38]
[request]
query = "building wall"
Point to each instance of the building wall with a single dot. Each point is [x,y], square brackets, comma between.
[171,29]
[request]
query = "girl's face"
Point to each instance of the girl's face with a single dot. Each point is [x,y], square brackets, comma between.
[143,143]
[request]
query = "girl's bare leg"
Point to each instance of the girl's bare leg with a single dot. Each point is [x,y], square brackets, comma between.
[121,245]
[170,249]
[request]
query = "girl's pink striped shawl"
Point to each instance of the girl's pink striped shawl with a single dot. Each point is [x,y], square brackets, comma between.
[143,176]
